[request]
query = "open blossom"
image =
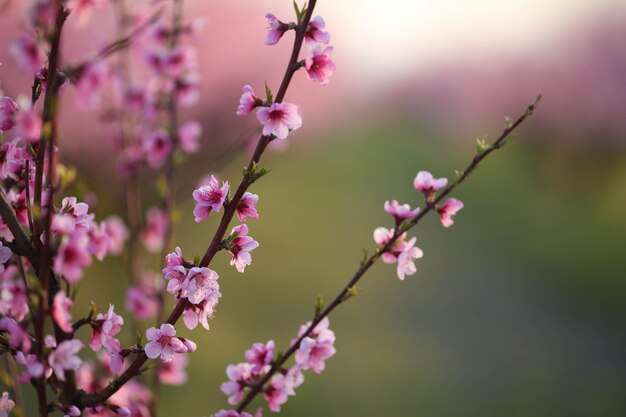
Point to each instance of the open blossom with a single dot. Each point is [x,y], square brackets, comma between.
[428,185]
[61,306]
[276,393]
[34,368]
[105,327]
[5,255]
[116,359]
[279,118]
[316,347]
[13,295]
[64,358]
[27,53]
[173,372]
[175,272]
[260,355]
[409,253]
[276,29]
[400,212]
[163,343]
[6,404]
[142,302]
[157,146]
[83,8]
[247,207]
[448,210]
[241,246]
[188,135]
[73,257]
[28,124]
[18,338]
[316,33]
[91,83]
[153,235]
[319,66]
[239,376]
[8,109]
[201,312]
[247,102]
[117,233]
[209,198]
[199,283]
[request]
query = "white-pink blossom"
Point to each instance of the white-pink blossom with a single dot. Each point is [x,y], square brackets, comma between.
[247,102]
[6,404]
[209,198]
[260,355]
[448,210]
[105,327]
[163,343]
[239,376]
[64,358]
[318,64]
[241,246]
[247,207]
[425,183]
[315,33]
[276,29]
[400,212]
[189,135]
[73,257]
[278,119]
[199,283]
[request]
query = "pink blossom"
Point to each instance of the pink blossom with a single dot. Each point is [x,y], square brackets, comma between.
[201,312]
[174,271]
[64,358]
[114,350]
[381,236]
[18,338]
[241,246]
[163,343]
[278,119]
[28,125]
[61,306]
[41,14]
[153,235]
[8,109]
[315,33]
[313,354]
[79,211]
[200,282]
[276,29]
[448,210]
[117,233]
[6,404]
[187,89]
[409,253]
[209,198]
[93,79]
[247,207]
[173,372]
[188,135]
[105,327]
[425,183]
[34,368]
[239,375]
[247,102]
[5,255]
[260,355]
[73,257]
[179,60]
[83,8]
[276,393]
[99,242]
[27,53]
[141,301]
[319,66]
[400,212]
[157,146]
[13,296]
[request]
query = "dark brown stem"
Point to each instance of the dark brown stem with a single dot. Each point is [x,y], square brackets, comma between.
[134,369]
[365,266]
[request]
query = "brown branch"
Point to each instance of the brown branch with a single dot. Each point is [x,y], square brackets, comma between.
[398,231]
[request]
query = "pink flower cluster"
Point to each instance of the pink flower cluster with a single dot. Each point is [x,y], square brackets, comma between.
[278,119]
[404,252]
[312,353]
[198,285]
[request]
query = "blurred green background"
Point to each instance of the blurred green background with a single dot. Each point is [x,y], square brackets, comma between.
[516,310]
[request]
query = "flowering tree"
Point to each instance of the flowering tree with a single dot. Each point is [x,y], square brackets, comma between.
[49,239]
